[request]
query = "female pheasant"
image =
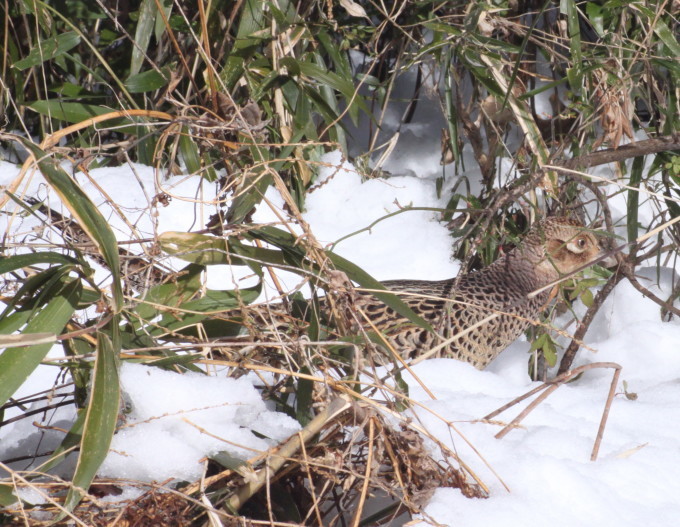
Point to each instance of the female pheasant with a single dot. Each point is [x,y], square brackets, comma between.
[478,314]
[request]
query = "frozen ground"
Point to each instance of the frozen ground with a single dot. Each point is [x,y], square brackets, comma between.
[545,464]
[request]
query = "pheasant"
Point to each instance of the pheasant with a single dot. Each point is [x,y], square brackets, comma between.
[496,301]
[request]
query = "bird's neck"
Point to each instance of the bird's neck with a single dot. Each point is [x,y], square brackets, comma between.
[521,268]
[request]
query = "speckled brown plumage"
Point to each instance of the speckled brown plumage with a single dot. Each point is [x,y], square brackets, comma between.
[553,248]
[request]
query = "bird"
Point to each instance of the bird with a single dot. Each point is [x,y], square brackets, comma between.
[478,314]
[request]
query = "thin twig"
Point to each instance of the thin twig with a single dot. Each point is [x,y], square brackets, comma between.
[278,458]
[367,477]
[549,388]
[605,413]
[584,324]
[612,155]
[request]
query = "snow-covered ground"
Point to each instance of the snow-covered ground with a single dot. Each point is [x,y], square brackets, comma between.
[544,464]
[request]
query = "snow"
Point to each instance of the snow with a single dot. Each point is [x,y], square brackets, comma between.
[184,418]
[174,421]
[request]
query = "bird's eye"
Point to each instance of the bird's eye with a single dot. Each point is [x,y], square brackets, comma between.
[577,245]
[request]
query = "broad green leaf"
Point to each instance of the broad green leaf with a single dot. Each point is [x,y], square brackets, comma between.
[75,112]
[7,496]
[147,81]
[100,419]
[159,27]
[587,297]
[71,112]
[251,32]
[667,37]
[12,322]
[48,49]
[304,398]
[27,339]
[210,250]
[16,364]
[215,300]
[209,310]
[575,72]
[85,212]
[172,294]
[190,152]
[19,261]
[326,78]
[143,32]
[197,248]
[595,14]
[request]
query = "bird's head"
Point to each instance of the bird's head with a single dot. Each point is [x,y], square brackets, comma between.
[562,246]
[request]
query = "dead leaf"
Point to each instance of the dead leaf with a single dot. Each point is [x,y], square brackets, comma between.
[354,9]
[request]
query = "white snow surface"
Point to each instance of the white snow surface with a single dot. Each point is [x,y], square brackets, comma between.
[545,463]
[187,417]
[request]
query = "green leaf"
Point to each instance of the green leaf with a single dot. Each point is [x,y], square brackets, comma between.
[148,81]
[667,37]
[160,27]
[19,261]
[304,399]
[100,419]
[595,16]
[365,280]
[85,212]
[574,73]
[16,364]
[209,250]
[327,78]
[550,352]
[251,32]
[7,496]
[208,310]
[587,297]
[71,112]
[48,49]
[143,32]
[634,198]
[190,151]
[172,294]
[75,112]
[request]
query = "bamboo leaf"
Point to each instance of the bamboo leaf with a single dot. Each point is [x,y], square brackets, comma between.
[48,49]
[210,311]
[7,496]
[100,419]
[85,212]
[19,261]
[209,250]
[75,112]
[250,34]
[148,81]
[143,32]
[71,112]
[16,364]
[632,205]
[575,72]
[172,294]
